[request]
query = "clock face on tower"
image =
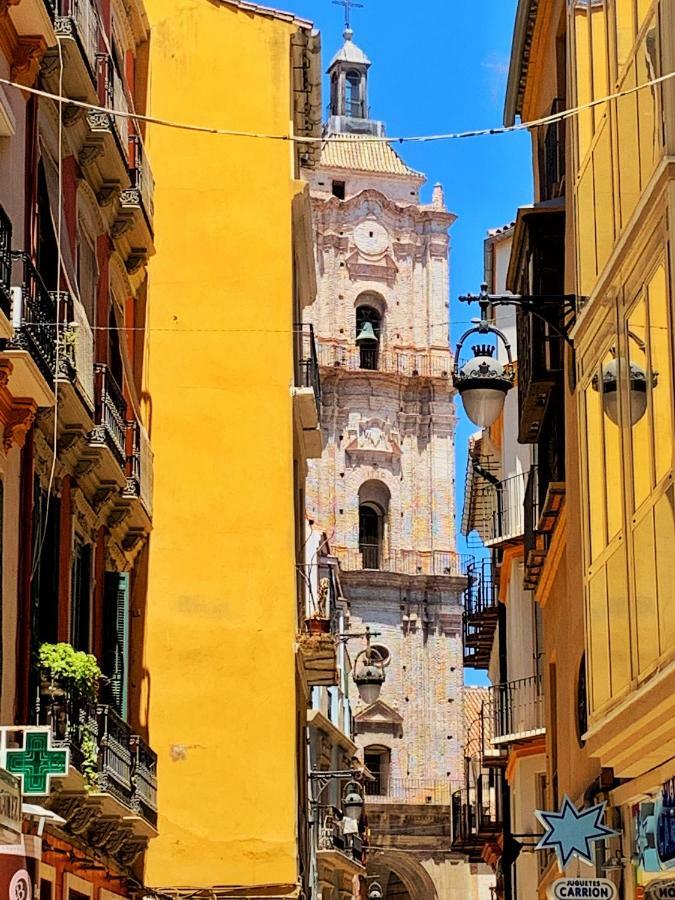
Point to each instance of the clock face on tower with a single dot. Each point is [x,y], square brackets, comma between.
[371,238]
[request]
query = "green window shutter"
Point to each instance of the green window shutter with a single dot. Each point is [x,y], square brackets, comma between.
[116,639]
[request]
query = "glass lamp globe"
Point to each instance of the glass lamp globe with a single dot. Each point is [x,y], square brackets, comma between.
[483,384]
[637,392]
[352,801]
[369,680]
[375,891]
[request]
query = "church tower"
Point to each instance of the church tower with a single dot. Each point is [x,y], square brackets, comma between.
[383,489]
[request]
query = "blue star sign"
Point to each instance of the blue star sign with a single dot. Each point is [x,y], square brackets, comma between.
[571,833]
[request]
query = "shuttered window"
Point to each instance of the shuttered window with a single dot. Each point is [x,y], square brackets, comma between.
[116,639]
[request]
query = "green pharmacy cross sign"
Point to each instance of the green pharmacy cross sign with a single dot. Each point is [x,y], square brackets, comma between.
[36,762]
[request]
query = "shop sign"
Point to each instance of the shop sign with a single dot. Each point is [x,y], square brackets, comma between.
[570,832]
[10,803]
[583,889]
[654,831]
[35,762]
[660,890]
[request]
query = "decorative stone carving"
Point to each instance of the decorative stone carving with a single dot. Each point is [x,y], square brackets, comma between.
[107,193]
[26,63]
[135,261]
[72,114]
[129,851]
[90,151]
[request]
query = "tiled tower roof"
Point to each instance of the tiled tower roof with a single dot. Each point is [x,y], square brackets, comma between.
[351,151]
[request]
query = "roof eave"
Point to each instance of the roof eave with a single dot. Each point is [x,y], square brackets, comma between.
[517,64]
[269,12]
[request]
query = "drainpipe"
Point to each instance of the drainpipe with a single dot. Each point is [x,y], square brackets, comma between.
[508,872]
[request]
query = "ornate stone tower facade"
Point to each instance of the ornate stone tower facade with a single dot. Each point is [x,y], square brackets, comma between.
[383,489]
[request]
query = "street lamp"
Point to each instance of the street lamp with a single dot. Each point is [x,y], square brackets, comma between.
[369,675]
[375,891]
[483,382]
[637,387]
[352,800]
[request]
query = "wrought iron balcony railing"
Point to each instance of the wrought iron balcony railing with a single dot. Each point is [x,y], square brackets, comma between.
[142,180]
[34,315]
[139,465]
[517,710]
[5,263]
[308,365]
[114,754]
[418,791]
[332,837]
[502,506]
[403,562]
[410,363]
[110,758]
[78,19]
[144,779]
[481,604]
[110,414]
[477,811]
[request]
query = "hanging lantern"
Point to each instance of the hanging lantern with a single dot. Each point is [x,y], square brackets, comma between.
[352,801]
[637,391]
[375,891]
[369,674]
[483,383]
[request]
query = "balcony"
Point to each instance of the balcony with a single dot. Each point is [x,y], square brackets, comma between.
[105,153]
[407,363]
[517,710]
[77,27]
[537,270]
[414,791]
[109,434]
[5,275]
[501,510]
[481,605]
[139,472]
[372,557]
[477,816]
[552,157]
[307,391]
[544,500]
[133,225]
[109,765]
[32,347]
[336,850]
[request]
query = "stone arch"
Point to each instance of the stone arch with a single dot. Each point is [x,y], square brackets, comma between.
[407,870]
[371,298]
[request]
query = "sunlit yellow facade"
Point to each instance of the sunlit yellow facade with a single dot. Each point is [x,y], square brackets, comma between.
[232,271]
[623,218]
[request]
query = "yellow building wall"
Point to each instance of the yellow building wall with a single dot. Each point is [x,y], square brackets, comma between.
[219,649]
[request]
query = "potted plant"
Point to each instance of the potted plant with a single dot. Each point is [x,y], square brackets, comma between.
[319,621]
[64,670]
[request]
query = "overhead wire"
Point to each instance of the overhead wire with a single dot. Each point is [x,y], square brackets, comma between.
[337,138]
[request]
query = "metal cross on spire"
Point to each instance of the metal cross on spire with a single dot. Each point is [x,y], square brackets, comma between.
[348,5]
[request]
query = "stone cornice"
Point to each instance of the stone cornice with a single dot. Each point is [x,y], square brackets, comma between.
[417,213]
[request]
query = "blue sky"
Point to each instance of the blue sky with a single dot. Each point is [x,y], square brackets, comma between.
[441,66]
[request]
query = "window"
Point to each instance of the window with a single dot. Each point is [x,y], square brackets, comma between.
[87,275]
[368,330]
[370,534]
[80,597]
[114,352]
[374,499]
[354,99]
[116,639]
[339,189]
[47,250]
[378,762]
[582,704]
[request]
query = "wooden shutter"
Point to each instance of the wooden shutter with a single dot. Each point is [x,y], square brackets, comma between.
[116,639]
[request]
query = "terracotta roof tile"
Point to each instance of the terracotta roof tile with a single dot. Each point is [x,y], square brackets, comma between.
[351,152]
[269,12]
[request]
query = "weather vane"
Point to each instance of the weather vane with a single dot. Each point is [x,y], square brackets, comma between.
[348,5]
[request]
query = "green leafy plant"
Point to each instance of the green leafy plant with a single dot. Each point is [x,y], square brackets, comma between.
[89,766]
[76,670]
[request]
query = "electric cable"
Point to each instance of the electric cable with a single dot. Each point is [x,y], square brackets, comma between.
[337,138]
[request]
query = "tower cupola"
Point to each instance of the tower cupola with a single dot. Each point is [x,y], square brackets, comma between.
[348,71]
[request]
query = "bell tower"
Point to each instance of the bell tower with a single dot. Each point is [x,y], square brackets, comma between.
[349,110]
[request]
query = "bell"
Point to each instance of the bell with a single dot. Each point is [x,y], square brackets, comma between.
[367,334]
